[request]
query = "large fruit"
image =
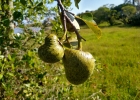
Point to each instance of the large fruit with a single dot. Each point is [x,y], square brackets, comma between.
[51,51]
[78,65]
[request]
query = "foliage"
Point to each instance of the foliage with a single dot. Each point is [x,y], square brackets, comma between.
[119,7]
[114,15]
[29,8]
[125,12]
[76,3]
[101,14]
[129,10]
[135,20]
[106,14]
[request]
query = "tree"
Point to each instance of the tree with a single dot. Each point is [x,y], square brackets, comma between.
[101,14]
[105,14]
[128,12]
[119,7]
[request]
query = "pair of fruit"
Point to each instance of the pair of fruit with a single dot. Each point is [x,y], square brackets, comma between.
[78,65]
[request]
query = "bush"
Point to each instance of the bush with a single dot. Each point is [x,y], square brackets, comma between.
[135,20]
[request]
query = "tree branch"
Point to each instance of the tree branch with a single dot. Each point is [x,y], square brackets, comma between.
[66,18]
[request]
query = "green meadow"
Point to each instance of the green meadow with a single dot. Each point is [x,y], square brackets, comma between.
[116,75]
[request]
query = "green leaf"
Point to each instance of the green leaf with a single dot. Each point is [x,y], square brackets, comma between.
[10,74]
[40,4]
[17,15]
[9,57]
[31,2]
[76,3]
[6,22]
[1,56]
[88,19]
[1,76]
[2,13]
[6,7]
[50,1]
[24,2]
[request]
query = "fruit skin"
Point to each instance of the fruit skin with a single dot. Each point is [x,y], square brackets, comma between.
[51,51]
[78,65]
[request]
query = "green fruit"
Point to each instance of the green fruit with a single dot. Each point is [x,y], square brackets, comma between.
[51,51]
[78,65]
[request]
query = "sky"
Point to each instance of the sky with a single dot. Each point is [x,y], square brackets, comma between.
[92,4]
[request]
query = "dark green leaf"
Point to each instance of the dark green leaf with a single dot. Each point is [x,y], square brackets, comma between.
[6,22]
[39,9]
[40,4]
[76,3]
[17,15]
[24,2]
[41,75]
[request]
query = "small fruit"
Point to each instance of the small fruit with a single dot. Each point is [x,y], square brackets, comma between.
[78,65]
[51,51]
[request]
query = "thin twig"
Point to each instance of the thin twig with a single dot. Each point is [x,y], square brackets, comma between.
[63,19]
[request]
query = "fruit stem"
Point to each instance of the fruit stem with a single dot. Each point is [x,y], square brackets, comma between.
[79,44]
[63,37]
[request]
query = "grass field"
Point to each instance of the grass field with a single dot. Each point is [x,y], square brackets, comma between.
[117,54]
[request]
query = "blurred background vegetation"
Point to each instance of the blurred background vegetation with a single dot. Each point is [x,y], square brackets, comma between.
[127,13]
